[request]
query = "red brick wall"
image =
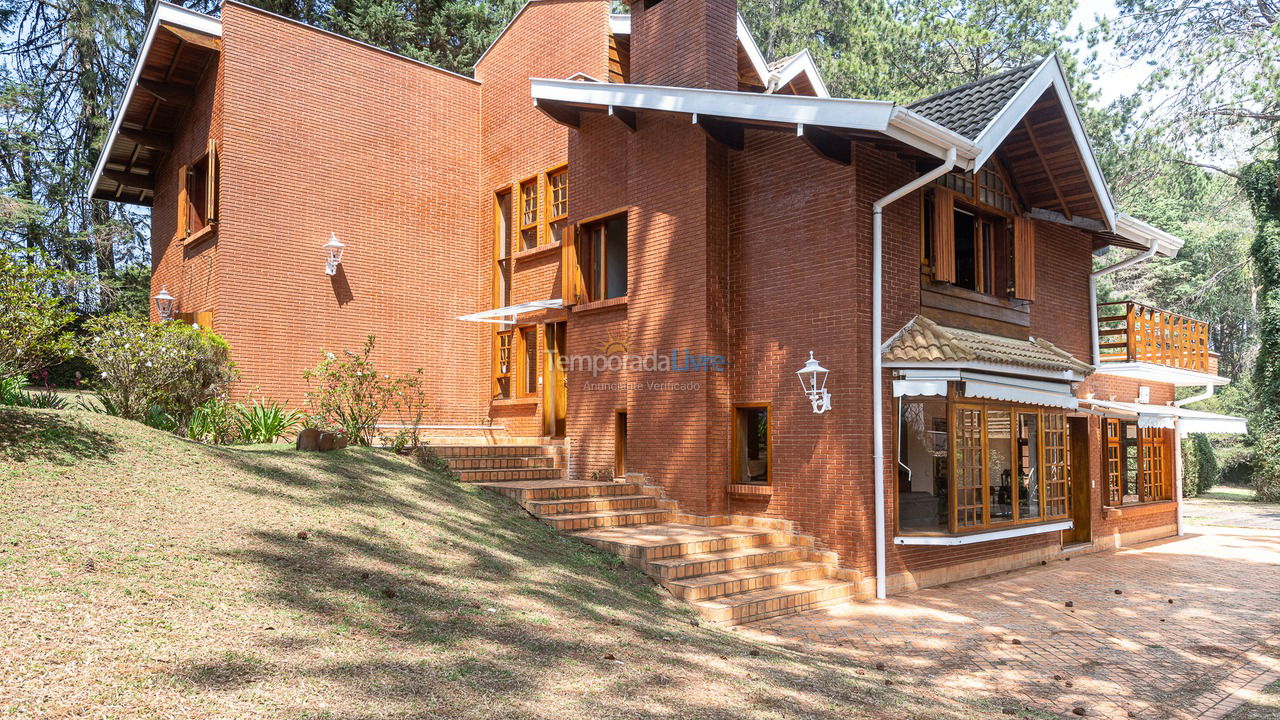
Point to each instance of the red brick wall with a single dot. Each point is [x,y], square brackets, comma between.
[598,162]
[323,134]
[685,43]
[188,272]
[798,283]
[548,39]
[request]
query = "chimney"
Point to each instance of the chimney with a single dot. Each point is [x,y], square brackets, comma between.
[685,43]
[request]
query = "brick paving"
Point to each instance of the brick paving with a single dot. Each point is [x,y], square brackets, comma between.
[1012,637]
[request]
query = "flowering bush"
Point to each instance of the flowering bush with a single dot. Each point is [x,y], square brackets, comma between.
[350,395]
[147,370]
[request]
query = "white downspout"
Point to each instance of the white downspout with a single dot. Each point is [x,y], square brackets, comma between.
[1208,393]
[877,380]
[1093,293]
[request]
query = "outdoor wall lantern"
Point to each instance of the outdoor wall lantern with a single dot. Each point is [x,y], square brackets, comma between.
[813,378]
[164,304]
[334,248]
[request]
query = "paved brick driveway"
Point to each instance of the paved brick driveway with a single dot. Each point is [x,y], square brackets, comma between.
[1012,638]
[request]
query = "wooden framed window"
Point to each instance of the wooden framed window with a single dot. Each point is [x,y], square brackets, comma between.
[502,364]
[752,446]
[529,213]
[965,466]
[557,211]
[975,236]
[1057,465]
[502,247]
[198,193]
[502,336]
[1137,463]
[970,496]
[619,443]
[527,380]
[600,260]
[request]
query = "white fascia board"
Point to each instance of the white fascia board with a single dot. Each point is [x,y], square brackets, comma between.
[932,137]
[983,536]
[1132,228]
[916,369]
[620,24]
[802,63]
[753,51]
[164,13]
[870,115]
[1151,372]
[1049,74]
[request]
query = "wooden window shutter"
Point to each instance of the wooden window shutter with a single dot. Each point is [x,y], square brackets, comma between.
[570,274]
[184,203]
[1024,258]
[944,236]
[211,184]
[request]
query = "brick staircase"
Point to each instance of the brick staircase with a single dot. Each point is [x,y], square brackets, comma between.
[733,570]
[504,462]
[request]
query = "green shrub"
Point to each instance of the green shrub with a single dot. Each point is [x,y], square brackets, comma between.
[350,395]
[12,393]
[147,370]
[34,320]
[1200,468]
[215,421]
[264,423]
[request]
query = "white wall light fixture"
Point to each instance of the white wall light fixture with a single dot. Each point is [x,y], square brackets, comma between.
[164,304]
[334,249]
[813,378]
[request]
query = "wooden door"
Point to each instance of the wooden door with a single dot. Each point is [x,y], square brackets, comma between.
[1081,480]
[555,387]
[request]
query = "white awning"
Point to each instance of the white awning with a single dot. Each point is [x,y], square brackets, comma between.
[1029,391]
[509,314]
[1168,417]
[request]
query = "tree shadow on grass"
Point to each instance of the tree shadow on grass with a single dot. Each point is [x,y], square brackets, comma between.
[51,436]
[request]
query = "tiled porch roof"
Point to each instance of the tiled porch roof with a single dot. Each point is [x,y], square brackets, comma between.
[924,341]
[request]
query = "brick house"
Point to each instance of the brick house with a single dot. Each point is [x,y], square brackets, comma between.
[626,235]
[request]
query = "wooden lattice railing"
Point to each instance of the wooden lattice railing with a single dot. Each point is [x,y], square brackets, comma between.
[1133,332]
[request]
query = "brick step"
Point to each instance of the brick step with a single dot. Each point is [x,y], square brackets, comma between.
[685,566]
[570,522]
[590,505]
[705,587]
[470,476]
[457,451]
[779,600]
[500,463]
[524,491]
[652,542]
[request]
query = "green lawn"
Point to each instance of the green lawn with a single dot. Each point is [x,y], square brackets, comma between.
[144,576]
[1228,492]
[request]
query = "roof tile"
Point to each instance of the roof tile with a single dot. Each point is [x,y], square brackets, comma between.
[968,109]
[923,340]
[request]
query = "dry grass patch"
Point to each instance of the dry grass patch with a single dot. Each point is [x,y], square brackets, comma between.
[145,576]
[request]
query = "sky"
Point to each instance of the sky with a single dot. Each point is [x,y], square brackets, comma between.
[1116,76]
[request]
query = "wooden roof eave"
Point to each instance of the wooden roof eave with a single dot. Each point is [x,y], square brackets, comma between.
[176,52]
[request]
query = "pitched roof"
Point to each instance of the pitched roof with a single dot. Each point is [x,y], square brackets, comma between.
[923,340]
[970,108]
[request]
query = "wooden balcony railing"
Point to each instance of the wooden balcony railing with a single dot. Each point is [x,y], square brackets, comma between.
[1133,332]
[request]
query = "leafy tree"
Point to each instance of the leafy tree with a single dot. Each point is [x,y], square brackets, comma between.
[33,324]
[1215,61]
[903,50]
